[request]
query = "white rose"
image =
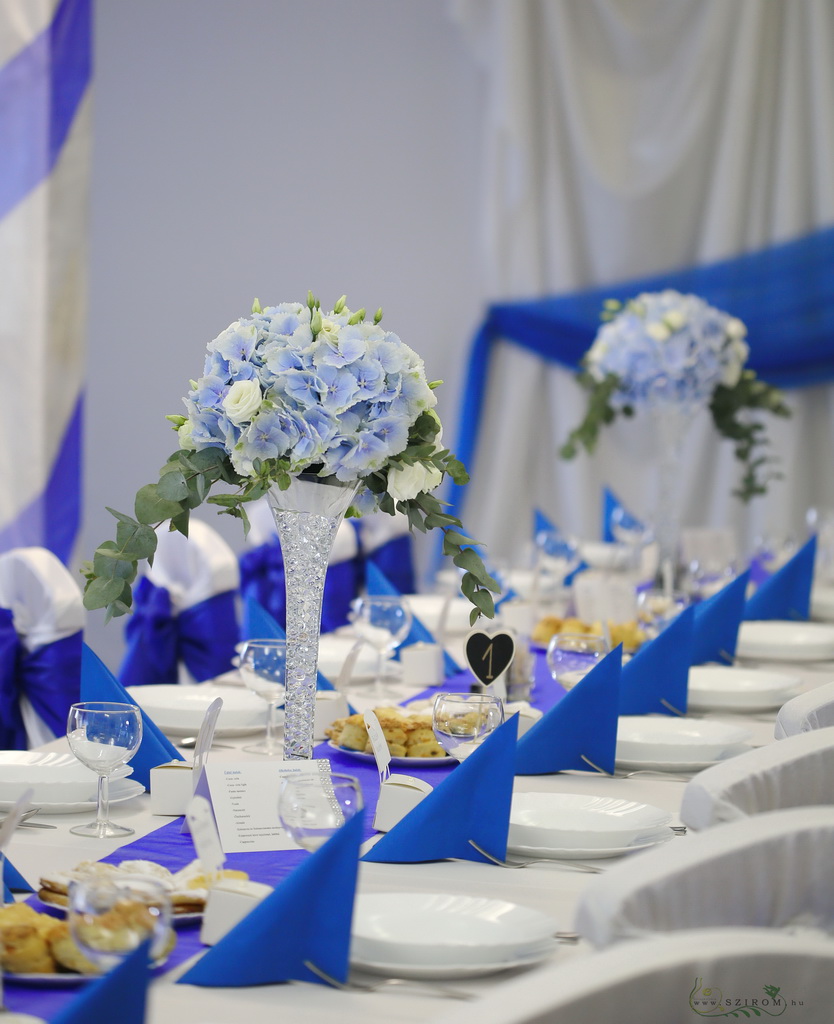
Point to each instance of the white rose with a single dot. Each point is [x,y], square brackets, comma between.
[735,328]
[406,482]
[657,331]
[674,319]
[738,352]
[242,400]
[185,436]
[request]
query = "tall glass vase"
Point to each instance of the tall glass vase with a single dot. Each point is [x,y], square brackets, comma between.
[307,516]
[670,423]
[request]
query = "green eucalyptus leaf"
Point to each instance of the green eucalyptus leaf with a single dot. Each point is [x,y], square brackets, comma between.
[226,500]
[180,522]
[102,591]
[151,507]
[172,486]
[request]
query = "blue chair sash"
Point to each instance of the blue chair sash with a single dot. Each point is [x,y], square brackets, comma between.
[262,579]
[50,677]
[203,637]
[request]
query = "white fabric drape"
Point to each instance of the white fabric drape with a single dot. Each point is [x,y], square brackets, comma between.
[622,138]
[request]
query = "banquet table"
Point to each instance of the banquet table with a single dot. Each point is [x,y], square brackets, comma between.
[553,888]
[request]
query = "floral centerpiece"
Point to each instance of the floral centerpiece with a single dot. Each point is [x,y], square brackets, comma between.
[674,354]
[292,395]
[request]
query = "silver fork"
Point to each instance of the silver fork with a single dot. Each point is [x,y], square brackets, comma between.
[577,865]
[430,988]
[24,820]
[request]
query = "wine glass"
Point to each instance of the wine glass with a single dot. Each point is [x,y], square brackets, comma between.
[571,656]
[263,668]
[108,919]
[384,622]
[462,721]
[656,609]
[314,807]
[628,530]
[103,736]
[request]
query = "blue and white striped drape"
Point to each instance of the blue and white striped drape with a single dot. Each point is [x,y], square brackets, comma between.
[45,72]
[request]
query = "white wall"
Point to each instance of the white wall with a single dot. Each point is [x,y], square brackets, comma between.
[260,148]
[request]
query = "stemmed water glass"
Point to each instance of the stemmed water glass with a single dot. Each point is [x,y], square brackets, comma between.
[462,721]
[109,919]
[658,608]
[571,656]
[314,807]
[103,736]
[263,668]
[384,622]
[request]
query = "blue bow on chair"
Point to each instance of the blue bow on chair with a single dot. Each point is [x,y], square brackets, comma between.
[262,580]
[50,677]
[202,637]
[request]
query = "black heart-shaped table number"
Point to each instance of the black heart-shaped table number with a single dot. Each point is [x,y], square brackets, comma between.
[488,655]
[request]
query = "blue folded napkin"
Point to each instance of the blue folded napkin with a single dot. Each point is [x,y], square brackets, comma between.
[473,802]
[13,881]
[121,994]
[659,671]
[583,722]
[611,504]
[787,594]
[258,624]
[378,585]
[99,683]
[717,621]
[307,917]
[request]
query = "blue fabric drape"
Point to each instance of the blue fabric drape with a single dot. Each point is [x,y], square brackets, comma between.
[784,294]
[203,637]
[49,676]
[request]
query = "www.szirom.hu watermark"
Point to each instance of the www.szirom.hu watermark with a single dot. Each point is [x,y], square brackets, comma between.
[711,1002]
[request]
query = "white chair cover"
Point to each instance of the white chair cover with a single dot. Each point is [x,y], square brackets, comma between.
[194,568]
[46,604]
[797,772]
[672,979]
[380,528]
[773,870]
[262,531]
[808,711]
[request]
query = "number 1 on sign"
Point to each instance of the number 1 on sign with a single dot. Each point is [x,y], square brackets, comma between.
[488,654]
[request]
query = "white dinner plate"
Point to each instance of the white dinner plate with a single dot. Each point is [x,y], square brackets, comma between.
[675,740]
[120,791]
[429,608]
[735,688]
[451,971]
[655,837]
[435,929]
[786,641]
[334,649]
[572,820]
[52,776]
[179,710]
[397,762]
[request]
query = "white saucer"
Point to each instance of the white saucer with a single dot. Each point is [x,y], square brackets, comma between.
[450,971]
[679,766]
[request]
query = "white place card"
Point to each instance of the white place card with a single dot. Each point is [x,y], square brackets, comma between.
[244,796]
